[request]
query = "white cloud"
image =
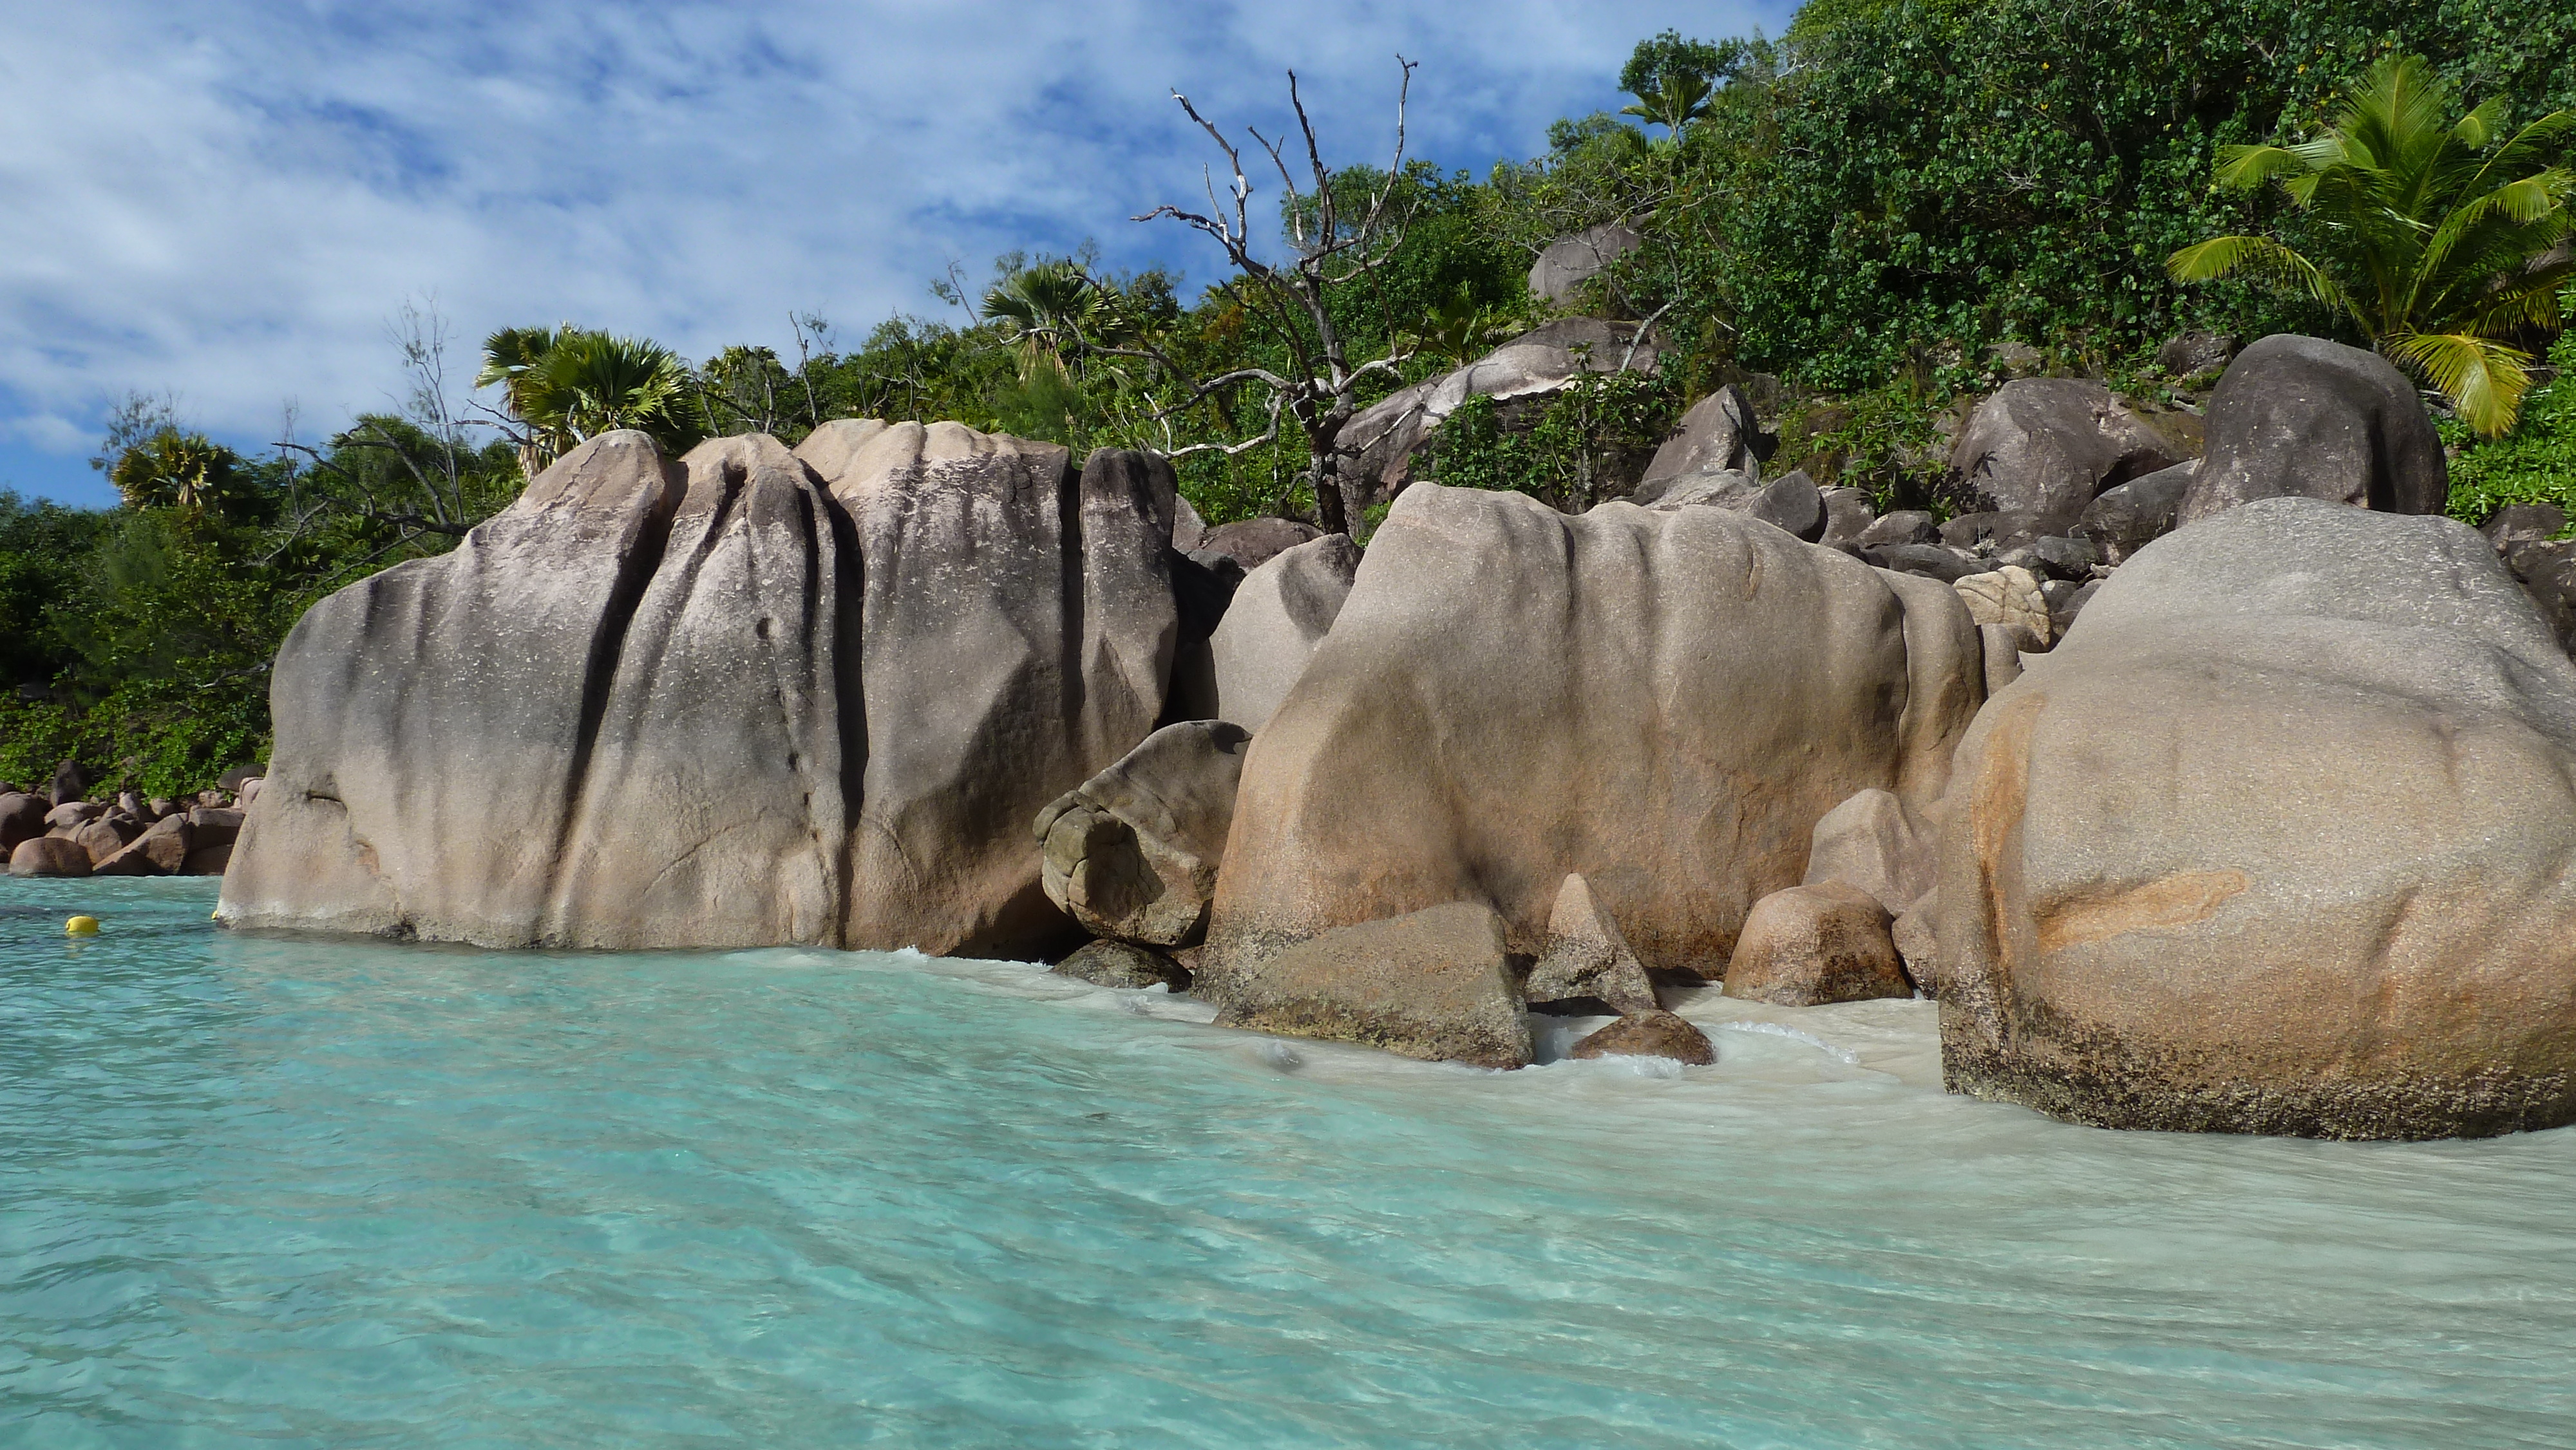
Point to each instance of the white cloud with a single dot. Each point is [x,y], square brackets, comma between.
[228,199]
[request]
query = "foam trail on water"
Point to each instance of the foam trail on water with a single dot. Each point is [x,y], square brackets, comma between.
[1844,1055]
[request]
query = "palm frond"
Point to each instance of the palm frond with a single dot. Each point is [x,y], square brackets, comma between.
[2484,379]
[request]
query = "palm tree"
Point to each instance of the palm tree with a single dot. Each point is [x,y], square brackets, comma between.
[567,385]
[171,469]
[1677,98]
[1045,309]
[2440,240]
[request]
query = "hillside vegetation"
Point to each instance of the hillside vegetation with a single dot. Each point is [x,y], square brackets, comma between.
[1885,211]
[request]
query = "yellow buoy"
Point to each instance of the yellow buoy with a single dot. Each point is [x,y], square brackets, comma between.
[81,926]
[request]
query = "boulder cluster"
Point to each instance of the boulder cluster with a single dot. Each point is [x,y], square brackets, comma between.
[2207,776]
[58,832]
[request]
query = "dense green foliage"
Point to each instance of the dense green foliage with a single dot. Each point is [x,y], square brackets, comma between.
[2536,463]
[2437,237]
[1877,209]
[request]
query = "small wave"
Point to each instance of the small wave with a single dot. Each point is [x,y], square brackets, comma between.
[1844,1055]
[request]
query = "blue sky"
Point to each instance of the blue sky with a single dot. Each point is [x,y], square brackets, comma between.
[228,203]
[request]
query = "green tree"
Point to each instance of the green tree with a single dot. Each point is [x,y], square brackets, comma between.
[2440,240]
[566,385]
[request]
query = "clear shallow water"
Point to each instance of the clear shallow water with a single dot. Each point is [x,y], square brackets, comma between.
[260,1192]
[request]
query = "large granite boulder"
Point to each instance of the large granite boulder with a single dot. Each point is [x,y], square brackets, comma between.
[433,721]
[2275,842]
[1132,853]
[1560,272]
[1381,439]
[1667,705]
[2044,447]
[1281,611]
[2304,417]
[1016,637]
[752,697]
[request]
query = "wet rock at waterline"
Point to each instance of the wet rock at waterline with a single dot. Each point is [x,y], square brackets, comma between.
[2275,842]
[2304,417]
[1132,853]
[1653,1033]
[1123,964]
[48,856]
[1280,612]
[1438,749]
[1435,984]
[749,698]
[1815,944]
[1587,960]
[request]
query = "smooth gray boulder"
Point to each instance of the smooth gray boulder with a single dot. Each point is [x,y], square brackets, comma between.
[1716,435]
[2127,518]
[1281,611]
[1132,853]
[1900,526]
[1667,706]
[1848,516]
[748,698]
[2275,842]
[2303,417]
[2045,447]
[1255,542]
[1435,984]
[1560,272]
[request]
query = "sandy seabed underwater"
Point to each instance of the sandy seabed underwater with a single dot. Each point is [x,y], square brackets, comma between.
[267,1191]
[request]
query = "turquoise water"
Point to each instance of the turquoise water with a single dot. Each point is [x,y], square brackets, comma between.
[265,1192]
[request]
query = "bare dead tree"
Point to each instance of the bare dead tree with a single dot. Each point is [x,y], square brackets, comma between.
[1329,250]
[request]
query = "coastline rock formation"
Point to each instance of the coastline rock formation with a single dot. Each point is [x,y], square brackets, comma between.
[2276,842]
[1132,853]
[1667,704]
[745,698]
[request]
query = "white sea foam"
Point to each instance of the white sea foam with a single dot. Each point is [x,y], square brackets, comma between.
[1842,1055]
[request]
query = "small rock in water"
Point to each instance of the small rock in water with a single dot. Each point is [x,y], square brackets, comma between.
[1123,964]
[1649,1034]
